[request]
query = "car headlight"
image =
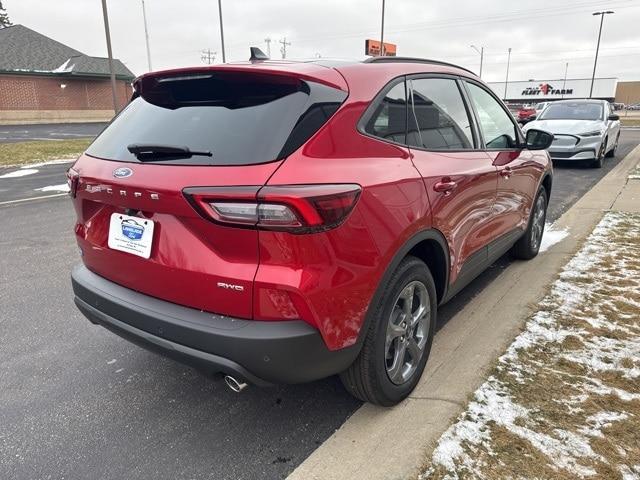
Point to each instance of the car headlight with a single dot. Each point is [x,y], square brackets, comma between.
[595,133]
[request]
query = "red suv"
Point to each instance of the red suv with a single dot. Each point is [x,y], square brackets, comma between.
[280,222]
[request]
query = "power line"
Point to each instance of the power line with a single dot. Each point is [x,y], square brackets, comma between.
[475,20]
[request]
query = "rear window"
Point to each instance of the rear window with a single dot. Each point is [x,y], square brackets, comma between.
[242,118]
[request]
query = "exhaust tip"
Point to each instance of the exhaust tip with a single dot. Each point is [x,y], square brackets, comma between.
[234,384]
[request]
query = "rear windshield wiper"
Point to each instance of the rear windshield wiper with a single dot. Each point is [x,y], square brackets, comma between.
[148,152]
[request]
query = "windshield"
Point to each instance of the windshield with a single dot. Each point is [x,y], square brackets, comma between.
[572,111]
[241,119]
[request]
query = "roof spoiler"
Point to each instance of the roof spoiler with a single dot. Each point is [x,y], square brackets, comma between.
[257,55]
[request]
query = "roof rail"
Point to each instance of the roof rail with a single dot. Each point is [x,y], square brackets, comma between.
[414,60]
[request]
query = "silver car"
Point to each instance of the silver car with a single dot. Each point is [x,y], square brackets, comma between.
[583,130]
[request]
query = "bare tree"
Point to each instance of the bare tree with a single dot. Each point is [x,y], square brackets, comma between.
[4,17]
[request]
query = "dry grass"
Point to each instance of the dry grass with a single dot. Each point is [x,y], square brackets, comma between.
[568,402]
[22,153]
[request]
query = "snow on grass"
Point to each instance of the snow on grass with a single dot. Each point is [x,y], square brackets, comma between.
[56,161]
[23,172]
[564,400]
[551,236]
[601,420]
[63,187]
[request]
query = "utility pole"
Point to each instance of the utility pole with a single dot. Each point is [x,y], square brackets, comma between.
[382,32]
[564,82]
[112,74]
[506,80]
[224,58]
[208,56]
[146,35]
[481,52]
[268,42]
[283,49]
[595,62]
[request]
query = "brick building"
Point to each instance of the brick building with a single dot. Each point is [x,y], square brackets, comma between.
[43,81]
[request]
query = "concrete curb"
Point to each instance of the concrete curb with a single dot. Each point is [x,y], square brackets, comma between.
[379,443]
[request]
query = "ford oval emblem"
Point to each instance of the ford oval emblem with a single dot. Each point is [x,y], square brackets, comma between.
[122,172]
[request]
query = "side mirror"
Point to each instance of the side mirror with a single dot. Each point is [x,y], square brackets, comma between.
[538,139]
[531,118]
[614,116]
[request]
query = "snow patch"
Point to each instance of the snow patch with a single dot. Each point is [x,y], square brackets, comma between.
[23,172]
[595,423]
[50,162]
[595,293]
[63,187]
[64,68]
[551,236]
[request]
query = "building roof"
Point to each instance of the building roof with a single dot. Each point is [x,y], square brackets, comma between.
[25,51]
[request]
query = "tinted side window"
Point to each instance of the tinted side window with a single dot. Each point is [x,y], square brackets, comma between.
[389,118]
[438,119]
[498,129]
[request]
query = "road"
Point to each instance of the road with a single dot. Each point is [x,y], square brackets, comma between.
[78,402]
[57,131]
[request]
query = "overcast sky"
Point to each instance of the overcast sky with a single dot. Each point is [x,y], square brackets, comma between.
[543,34]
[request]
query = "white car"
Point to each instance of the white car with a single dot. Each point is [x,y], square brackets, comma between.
[583,130]
[540,107]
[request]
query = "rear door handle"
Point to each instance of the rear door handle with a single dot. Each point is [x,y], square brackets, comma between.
[506,172]
[445,186]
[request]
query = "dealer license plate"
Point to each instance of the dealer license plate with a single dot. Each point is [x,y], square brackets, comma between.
[131,234]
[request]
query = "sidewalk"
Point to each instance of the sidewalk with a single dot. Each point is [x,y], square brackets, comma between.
[377,443]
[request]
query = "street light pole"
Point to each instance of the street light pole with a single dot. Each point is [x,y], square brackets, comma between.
[506,80]
[112,74]
[481,52]
[224,58]
[382,32]
[595,61]
[564,82]
[146,35]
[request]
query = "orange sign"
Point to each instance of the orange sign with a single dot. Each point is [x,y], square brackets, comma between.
[372,47]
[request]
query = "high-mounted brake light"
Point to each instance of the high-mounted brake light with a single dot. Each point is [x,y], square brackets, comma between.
[73,178]
[292,208]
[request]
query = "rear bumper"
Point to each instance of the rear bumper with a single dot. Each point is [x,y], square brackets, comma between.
[258,352]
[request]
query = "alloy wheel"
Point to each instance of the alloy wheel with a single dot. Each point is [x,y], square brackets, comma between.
[407,332]
[537,225]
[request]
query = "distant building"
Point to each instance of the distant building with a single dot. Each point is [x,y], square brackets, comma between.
[534,91]
[42,80]
[628,93]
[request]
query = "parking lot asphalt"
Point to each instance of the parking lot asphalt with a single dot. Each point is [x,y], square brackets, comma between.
[78,402]
[57,131]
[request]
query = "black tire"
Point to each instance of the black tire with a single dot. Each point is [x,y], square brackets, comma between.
[528,245]
[599,160]
[367,378]
[612,153]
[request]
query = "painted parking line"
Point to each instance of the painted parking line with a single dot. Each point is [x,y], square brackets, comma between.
[42,197]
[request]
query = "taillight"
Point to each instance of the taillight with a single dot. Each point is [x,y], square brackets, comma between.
[293,208]
[73,178]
